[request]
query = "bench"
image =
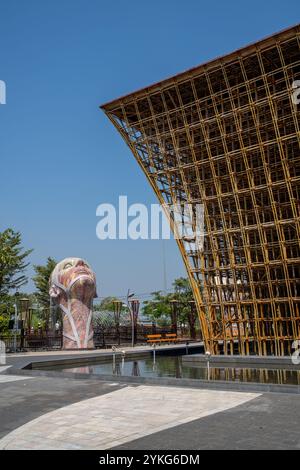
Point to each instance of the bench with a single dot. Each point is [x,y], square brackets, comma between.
[170,338]
[167,338]
[154,339]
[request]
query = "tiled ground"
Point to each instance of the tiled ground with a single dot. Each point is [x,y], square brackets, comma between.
[270,421]
[59,412]
[121,416]
[28,398]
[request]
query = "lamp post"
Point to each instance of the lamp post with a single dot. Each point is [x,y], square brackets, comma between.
[129,296]
[174,304]
[24,311]
[117,313]
[16,320]
[114,359]
[208,355]
[134,306]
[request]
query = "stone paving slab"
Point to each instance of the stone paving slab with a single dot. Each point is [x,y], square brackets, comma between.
[13,378]
[271,421]
[24,400]
[120,416]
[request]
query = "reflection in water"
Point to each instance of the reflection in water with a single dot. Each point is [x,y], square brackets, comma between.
[135,369]
[117,369]
[172,366]
[81,370]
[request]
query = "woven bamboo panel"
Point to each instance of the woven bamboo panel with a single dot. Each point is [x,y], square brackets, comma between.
[226,135]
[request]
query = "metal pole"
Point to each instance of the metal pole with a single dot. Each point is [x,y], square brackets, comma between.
[132,329]
[114,359]
[154,357]
[133,306]
[208,354]
[132,322]
[131,316]
[16,322]
[117,313]
[135,313]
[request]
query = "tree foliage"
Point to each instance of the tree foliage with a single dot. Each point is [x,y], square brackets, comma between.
[41,281]
[159,308]
[106,304]
[12,261]
[4,319]
[184,295]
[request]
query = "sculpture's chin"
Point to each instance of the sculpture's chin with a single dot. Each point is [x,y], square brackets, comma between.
[83,286]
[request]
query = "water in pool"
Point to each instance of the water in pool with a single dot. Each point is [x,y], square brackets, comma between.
[173,366]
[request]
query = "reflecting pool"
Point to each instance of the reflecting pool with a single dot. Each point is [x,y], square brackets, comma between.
[172,366]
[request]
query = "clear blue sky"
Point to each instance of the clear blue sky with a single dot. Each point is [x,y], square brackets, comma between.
[60,156]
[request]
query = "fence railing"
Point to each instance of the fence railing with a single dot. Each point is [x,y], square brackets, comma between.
[103,337]
[42,341]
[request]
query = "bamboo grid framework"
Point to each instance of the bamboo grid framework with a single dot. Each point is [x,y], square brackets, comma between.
[226,134]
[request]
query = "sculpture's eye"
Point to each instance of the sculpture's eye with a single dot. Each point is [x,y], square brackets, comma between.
[68,265]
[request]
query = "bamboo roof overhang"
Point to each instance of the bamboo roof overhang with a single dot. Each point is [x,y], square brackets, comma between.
[114,106]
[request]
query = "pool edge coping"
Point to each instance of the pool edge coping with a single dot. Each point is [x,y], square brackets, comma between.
[163,381]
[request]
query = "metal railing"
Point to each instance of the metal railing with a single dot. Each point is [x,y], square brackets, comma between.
[103,338]
[30,342]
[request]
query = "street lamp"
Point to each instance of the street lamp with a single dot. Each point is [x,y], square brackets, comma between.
[24,309]
[16,320]
[117,313]
[134,306]
[129,296]
[24,304]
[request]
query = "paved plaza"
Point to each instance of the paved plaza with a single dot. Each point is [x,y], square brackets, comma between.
[119,417]
[52,412]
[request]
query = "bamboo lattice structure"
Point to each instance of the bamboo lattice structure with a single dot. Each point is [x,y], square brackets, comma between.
[226,134]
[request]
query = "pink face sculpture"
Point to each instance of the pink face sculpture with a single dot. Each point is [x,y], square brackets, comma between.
[73,287]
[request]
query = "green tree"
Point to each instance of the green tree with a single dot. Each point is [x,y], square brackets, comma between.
[7,303]
[41,281]
[106,304]
[159,308]
[186,307]
[182,290]
[12,261]
[4,323]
